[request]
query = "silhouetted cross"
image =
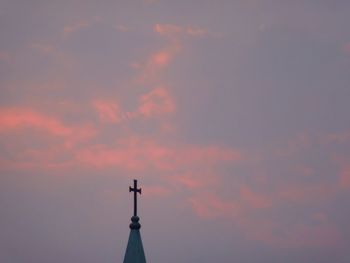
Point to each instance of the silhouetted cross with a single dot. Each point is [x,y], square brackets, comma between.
[135,190]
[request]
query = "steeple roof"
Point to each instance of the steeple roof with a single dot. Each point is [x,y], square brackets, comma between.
[134,251]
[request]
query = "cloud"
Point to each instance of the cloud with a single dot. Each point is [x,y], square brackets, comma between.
[151,1]
[68,29]
[263,227]
[174,31]
[109,112]
[196,32]
[346,48]
[254,199]
[256,204]
[210,206]
[156,103]
[122,28]
[54,52]
[151,70]
[167,29]
[6,56]
[136,153]
[338,137]
[161,58]
[23,118]
[156,191]
[189,180]
[101,156]
[344,177]
[44,48]
[12,118]
[303,235]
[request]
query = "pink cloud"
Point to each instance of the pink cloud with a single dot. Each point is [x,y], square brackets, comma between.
[136,153]
[6,56]
[122,156]
[346,48]
[25,118]
[263,229]
[55,53]
[304,170]
[254,199]
[156,191]
[157,102]
[210,206]
[167,29]
[161,58]
[189,181]
[173,31]
[301,235]
[340,137]
[197,32]
[321,235]
[306,193]
[44,48]
[21,118]
[294,145]
[49,155]
[75,27]
[108,112]
[122,28]
[344,177]
[196,177]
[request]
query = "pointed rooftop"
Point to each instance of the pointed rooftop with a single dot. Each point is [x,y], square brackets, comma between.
[134,251]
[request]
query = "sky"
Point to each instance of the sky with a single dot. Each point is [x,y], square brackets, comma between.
[233,116]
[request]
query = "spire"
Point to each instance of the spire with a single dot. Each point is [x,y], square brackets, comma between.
[134,251]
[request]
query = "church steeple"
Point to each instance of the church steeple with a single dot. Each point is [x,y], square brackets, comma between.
[134,251]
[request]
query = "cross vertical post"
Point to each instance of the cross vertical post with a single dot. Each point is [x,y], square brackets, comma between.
[135,190]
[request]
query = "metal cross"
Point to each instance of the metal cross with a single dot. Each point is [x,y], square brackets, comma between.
[135,190]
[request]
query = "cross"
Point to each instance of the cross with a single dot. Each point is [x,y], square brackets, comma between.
[135,190]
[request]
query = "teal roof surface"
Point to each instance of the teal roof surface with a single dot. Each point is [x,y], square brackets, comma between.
[134,251]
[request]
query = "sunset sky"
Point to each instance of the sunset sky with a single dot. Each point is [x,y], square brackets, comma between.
[233,115]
